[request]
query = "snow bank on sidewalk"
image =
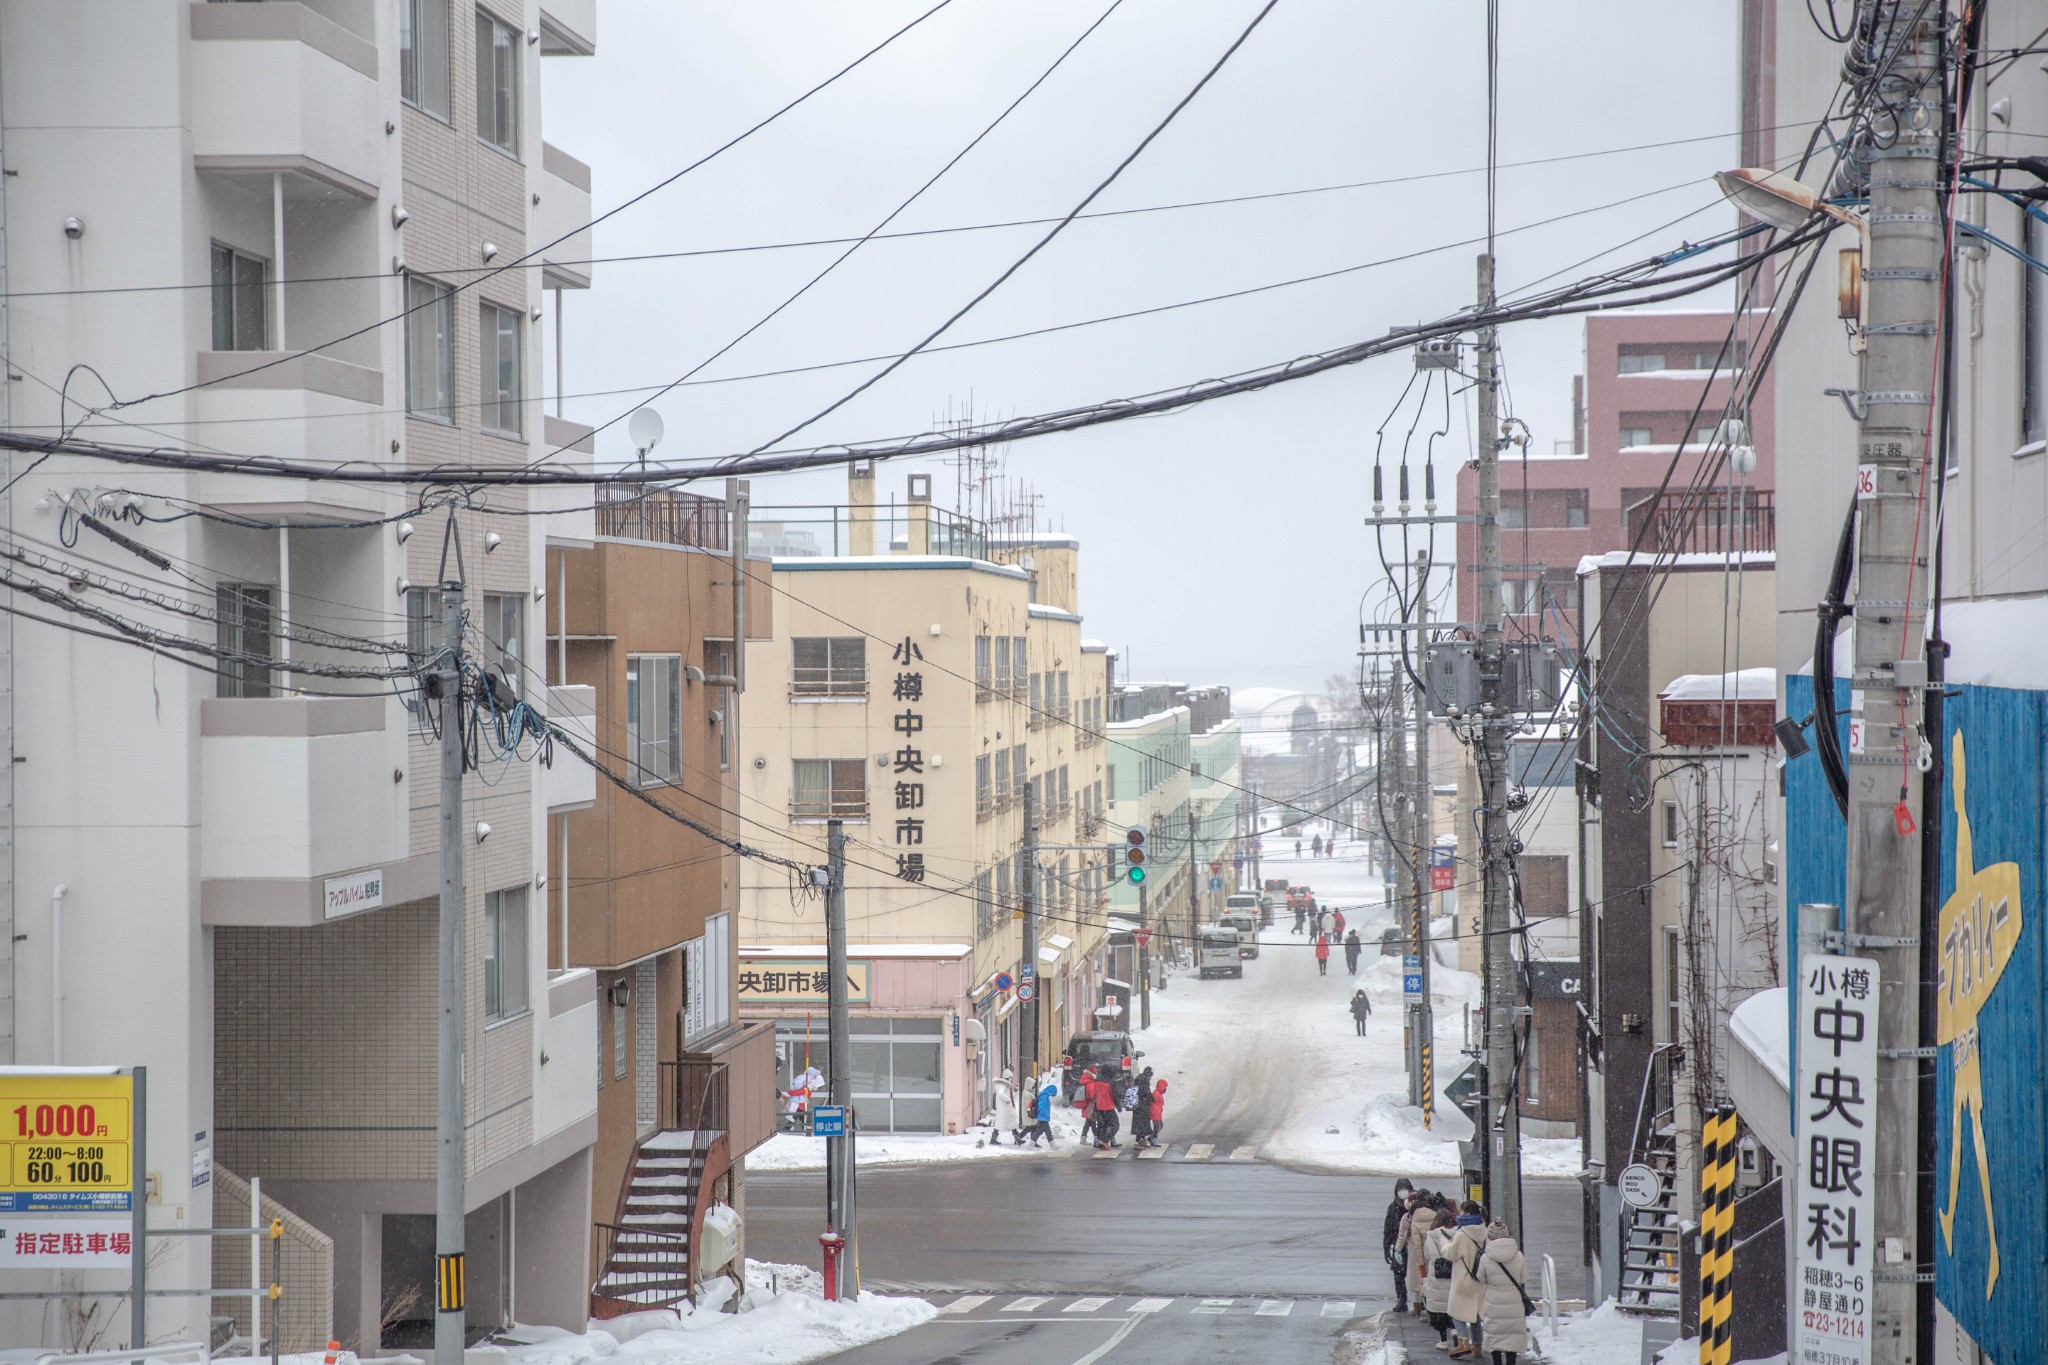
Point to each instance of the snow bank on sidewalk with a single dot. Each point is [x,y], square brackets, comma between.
[784,1325]
[801,1152]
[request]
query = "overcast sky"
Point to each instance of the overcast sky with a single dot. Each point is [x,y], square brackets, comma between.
[1223,544]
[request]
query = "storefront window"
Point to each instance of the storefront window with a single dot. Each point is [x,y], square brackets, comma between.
[896,1069]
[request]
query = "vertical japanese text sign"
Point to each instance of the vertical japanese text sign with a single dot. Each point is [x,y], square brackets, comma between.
[1837,1101]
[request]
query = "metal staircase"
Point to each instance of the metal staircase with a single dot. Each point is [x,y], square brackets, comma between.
[647,1257]
[1650,1236]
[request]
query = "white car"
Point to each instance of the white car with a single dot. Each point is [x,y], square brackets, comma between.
[1217,952]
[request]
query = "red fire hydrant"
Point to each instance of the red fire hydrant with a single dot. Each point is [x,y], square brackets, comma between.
[832,1243]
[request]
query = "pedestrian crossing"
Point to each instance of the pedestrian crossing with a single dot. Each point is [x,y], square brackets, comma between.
[1193,1151]
[1044,1307]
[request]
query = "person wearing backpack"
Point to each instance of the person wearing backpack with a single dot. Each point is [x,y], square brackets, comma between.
[1436,1252]
[1421,1218]
[1503,1271]
[1468,1245]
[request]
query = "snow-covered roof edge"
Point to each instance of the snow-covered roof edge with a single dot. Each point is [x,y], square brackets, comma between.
[1747,684]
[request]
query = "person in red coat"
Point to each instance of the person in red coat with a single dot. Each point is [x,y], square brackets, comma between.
[1322,954]
[1337,924]
[1102,1097]
[1157,1104]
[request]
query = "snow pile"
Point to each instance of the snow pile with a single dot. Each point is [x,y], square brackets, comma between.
[1749,684]
[785,1325]
[802,1152]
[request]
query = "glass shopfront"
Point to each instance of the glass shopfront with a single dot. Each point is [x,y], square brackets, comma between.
[895,1068]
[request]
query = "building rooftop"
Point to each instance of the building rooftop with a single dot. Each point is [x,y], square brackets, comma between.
[862,563]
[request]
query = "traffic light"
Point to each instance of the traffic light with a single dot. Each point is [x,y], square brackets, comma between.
[1135,854]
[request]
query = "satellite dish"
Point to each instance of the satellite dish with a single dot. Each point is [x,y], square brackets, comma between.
[645,427]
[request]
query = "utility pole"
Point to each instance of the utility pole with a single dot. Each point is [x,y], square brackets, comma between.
[1144,937]
[1400,841]
[1422,900]
[1904,280]
[1027,896]
[451,1319]
[839,1060]
[1501,1134]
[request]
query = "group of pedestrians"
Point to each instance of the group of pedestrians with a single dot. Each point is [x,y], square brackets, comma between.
[1316,922]
[1105,1098]
[1030,1119]
[1319,847]
[1461,1272]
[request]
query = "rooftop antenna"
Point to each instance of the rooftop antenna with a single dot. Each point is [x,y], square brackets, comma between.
[644,429]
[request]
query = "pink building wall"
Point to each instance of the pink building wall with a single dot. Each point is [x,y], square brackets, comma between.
[1604,402]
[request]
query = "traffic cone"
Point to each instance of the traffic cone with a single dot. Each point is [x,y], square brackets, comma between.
[333,1353]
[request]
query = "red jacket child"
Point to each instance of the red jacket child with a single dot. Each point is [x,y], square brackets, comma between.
[1159,1104]
[1322,947]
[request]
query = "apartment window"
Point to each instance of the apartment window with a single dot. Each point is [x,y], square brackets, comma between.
[1562,588]
[982,667]
[1670,824]
[718,664]
[1634,360]
[421,627]
[983,797]
[429,350]
[1521,596]
[1672,997]
[423,51]
[1109,779]
[505,634]
[2033,335]
[242,625]
[1036,718]
[621,993]
[984,907]
[1020,664]
[654,718]
[499,371]
[1532,1060]
[1002,787]
[1710,357]
[1633,436]
[707,980]
[505,958]
[1703,437]
[1064,712]
[241,320]
[497,83]
[824,788]
[1003,900]
[1018,768]
[1574,509]
[829,666]
[1066,790]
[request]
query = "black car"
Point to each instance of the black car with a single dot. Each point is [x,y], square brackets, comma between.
[1107,1049]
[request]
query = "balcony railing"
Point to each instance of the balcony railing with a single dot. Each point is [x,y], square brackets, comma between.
[666,518]
[1715,521]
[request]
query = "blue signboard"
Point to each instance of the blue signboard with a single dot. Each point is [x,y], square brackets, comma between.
[66,1201]
[1215,883]
[1991,1238]
[828,1120]
[1411,975]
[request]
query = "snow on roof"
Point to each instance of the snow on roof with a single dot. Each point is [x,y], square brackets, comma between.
[855,563]
[1760,1023]
[1094,647]
[1048,955]
[1251,701]
[1723,373]
[1059,941]
[1045,613]
[1048,539]
[1615,559]
[1748,684]
[1167,714]
[858,950]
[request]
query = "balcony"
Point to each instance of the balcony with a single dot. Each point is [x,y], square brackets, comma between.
[564,214]
[303,810]
[568,1049]
[664,517]
[568,28]
[309,408]
[1709,522]
[570,783]
[279,87]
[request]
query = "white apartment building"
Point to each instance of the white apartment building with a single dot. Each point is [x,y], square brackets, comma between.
[228,873]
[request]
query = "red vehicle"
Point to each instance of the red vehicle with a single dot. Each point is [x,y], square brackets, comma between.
[1300,898]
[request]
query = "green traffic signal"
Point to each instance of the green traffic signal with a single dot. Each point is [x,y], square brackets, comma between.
[1137,875]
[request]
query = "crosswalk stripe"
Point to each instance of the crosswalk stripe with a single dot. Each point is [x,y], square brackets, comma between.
[967,1303]
[1341,1308]
[1151,1305]
[1245,1154]
[1275,1308]
[1213,1306]
[1152,1154]
[1110,1155]
[1084,1305]
[1201,1151]
[1025,1305]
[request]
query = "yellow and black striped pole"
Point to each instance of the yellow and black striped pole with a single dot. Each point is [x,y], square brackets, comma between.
[452,1286]
[1717,1236]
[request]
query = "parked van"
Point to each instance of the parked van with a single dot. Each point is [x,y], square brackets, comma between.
[1246,922]
[1217,952]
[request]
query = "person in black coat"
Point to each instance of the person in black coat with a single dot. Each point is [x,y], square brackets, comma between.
[1141,1111]
[1390,1237]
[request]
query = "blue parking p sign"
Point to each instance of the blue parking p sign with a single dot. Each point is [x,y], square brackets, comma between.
[828,1120]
